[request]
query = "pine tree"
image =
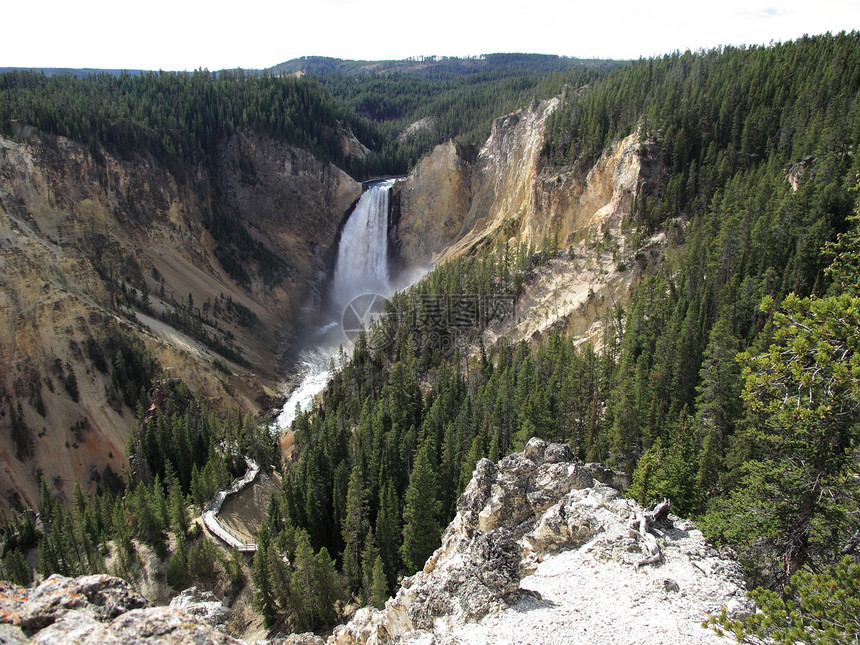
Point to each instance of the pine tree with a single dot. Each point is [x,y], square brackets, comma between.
[326,590]
[475,454]
[804,393]
[177,568]
[199,492]
[388,531]
[148,527]
[670,471]
[825,609]
[354,528]
[16,569]
[304,616]
[235,571]
[202,561]
[806,388]
[179,520]
[846,256]
[368,557]
[421,528]
[378,585]
[264,595]
[718,401]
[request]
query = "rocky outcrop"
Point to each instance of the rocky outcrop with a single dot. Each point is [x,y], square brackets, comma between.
[541,551]
[452,205]
[103,609]
[795,171]
[307,638]
[421,125]
[565,202]
[448,205]
[433,202]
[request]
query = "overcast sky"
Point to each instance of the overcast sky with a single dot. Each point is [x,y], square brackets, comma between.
[216,34]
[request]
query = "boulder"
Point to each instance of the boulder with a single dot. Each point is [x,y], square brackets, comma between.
[204,606]
[103,609]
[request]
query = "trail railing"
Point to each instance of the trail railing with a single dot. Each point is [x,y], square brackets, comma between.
[210,515]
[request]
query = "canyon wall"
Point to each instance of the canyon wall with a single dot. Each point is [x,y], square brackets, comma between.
[100,254]
[449,205]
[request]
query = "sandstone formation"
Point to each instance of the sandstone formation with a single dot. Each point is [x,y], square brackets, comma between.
[536,549]
[431,204]
[450,205]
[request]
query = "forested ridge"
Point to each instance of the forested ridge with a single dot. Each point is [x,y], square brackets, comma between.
[729,383]
[439,67]
[460,97]
[181,117]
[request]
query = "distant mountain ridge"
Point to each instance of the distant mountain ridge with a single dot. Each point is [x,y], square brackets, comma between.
[444,66]
[80,72]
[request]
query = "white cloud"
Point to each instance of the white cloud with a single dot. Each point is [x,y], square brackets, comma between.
[186,34]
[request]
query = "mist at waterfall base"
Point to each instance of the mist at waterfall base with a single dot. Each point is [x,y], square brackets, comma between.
[359,285]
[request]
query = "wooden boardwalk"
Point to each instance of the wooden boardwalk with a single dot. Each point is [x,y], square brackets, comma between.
[210,515]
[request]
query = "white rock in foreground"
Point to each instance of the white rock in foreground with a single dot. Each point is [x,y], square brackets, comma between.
[541,553]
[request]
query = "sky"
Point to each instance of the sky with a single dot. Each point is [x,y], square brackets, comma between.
[253,34]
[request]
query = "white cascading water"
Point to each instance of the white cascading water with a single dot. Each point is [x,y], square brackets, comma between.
[362,257]
[361,267]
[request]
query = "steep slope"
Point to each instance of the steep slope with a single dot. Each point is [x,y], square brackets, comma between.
[538,545]
[450,206]
[110,271]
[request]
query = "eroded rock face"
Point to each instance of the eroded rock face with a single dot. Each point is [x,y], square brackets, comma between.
[452,204]
[292,202]
[449,205]
[433,202]
[505,551]
[101,596]
[76,224]
[103,609]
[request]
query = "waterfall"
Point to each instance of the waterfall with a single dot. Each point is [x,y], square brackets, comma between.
[361,267]
[362,257]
